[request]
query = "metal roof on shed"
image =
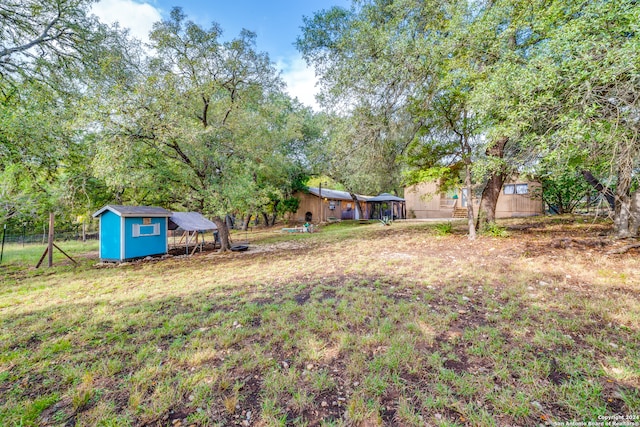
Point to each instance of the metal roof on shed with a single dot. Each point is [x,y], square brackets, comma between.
[190,221]
[128,211]
[336,194]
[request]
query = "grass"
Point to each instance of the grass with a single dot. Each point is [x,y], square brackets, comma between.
[18,256]
[353,325]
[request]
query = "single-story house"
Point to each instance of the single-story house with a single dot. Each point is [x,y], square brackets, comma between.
[324,204]
[128,232]
[517,199]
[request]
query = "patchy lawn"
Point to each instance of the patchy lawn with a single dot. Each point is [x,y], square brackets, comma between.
[355,325]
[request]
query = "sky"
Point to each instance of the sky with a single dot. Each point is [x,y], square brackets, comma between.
[276,22]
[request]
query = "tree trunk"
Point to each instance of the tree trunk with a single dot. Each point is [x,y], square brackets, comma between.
[622,219]
[228,221]
[560,203]
[635,213]
[265,217]
[223,233]
[491,192]
[470,218]
[245,223]
[356,202]
[274,213]
[605,191]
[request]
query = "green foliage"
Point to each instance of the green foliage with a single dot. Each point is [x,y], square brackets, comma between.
[386,221]
[290,205]
[452,78]
[46,80]
[414,91]
[325,181]
[494,230]
[565,191]
[444,228]
[207,128]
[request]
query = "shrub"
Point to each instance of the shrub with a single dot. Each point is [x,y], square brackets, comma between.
[444,228]
[494,230]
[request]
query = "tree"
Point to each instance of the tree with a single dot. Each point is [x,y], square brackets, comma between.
[52,57]
[208,126]
[403,64]
[581,89]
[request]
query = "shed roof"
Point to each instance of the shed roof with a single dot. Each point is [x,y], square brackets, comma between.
[386,197]
[336,194]
[128,211]
[190,221]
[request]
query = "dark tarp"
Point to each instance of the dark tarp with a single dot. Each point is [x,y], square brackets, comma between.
[386,197]
[190,221]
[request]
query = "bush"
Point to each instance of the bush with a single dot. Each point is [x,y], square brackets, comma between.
[444,228]
[494,230]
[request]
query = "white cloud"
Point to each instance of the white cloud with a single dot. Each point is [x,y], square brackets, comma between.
[300,79]
[137,17]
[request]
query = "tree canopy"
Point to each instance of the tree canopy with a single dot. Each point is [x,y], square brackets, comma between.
[466,92]
[499,85]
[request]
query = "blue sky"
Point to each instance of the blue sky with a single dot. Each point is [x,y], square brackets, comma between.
[276,23]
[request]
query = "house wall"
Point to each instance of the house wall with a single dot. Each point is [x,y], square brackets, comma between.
[310,203]
[109,236]
[516,205]
[146,243]
[425,201]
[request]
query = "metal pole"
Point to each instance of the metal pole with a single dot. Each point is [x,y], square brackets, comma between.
[50,243]
[320,208]
[4,233]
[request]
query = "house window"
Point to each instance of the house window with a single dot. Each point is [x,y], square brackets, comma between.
[141,230]
[516,189]
[332,204]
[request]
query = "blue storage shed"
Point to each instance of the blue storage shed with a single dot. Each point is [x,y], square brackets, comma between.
[128,232]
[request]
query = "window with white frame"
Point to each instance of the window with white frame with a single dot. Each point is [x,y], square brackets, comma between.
[509,189]
[141,230]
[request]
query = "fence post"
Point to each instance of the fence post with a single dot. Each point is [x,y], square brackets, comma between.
[50,243]
[4,233]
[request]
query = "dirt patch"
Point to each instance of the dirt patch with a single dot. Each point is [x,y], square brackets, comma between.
[302,298]
[555,375]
